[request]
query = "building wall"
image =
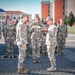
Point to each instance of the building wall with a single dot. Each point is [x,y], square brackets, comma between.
[57,9]
[2,18]
[70,6]
[45,9]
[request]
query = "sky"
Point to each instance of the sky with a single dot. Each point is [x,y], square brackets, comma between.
[28,6]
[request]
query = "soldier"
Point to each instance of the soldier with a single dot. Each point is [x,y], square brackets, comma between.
[51,43]
[28,37]
[21,39]
[0,32]
[4,32]
[9,33]
[61,37]
[44,52]
[36,38]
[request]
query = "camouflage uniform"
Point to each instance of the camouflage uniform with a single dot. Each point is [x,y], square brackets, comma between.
[43,41]
[29,41]
[51,44]
[4,32]
[21,39]
[10,37]
[0,32]
[61,38]
[36,39]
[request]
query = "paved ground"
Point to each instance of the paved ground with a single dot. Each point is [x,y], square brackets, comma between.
[65,64]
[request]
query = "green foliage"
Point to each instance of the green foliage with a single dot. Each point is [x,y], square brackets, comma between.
[70,19]
[65,17]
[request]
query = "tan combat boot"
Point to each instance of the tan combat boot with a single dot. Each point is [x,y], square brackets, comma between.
[38,61]
[53,67]
[22,71]
[34,61]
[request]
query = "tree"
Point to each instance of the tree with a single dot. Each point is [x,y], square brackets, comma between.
[65,18]
[70,19]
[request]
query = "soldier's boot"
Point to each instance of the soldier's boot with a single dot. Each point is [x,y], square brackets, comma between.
[44,53]
[62,52]
[52,68]
[34,61]
[38,60]
[22,71]
[10,55]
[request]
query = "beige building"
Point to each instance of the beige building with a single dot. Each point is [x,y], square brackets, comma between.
[2,17]
[14,15]
[69,6]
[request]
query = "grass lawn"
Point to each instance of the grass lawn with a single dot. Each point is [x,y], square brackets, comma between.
[71,30]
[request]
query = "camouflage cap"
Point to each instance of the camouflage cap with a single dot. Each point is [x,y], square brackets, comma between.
[9,19]
[48,18]
[37,15]
[23,15]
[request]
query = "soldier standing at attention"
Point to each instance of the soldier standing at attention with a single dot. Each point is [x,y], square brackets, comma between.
[4,32]
[61,37]
[51,43]
[21,39]
[44,49]
[28,37]
[10,37]
[36,38]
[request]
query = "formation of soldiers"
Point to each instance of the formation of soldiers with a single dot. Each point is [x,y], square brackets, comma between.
[42,37]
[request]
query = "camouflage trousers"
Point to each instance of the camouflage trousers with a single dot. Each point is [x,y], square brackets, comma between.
[36,47]
[21,58]
[51,53]
[10,46]
[28,48]
[44,48]
[61,44]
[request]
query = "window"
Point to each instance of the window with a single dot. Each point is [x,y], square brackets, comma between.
[63,1]
[3,23]
[0,22]
[63,7]
[63,12]
[0,17]
[3,17]
[66,1]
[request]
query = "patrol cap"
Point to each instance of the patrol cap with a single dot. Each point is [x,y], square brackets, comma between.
[9,19]
[23,15]
[48,18]
[37,15]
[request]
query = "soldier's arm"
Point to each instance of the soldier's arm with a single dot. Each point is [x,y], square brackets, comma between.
[14,32]
[66,31]
[23,35]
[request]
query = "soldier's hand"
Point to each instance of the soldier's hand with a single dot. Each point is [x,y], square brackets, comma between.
[24,46]
[44,30]
[33,27]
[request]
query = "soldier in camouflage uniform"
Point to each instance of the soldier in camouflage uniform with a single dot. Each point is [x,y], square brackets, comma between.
[4,31]
[44,49]
[28,37]
[0,32]
[36,38]
[21,39]
[61,37]
[51,42]
[10,37]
